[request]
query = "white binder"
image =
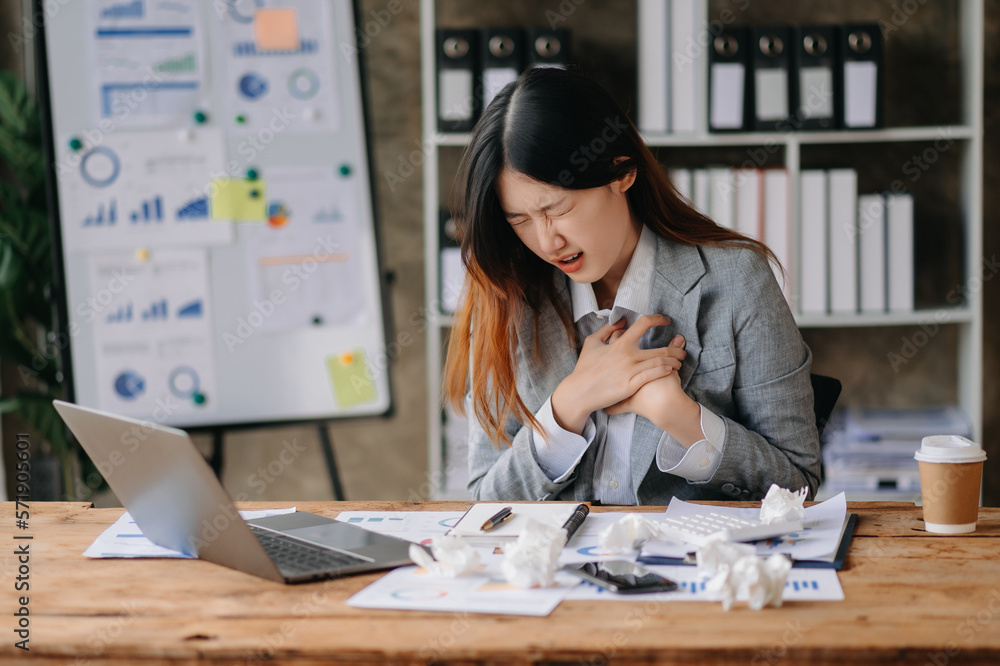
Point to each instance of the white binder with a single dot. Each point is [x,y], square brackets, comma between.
[813,230]
[653,38]
[899,237]
[872,246]
[843,184]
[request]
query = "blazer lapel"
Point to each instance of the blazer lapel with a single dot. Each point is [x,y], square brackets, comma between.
[677,294]
[558,356]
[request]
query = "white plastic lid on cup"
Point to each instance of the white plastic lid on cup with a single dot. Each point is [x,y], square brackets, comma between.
[949,449]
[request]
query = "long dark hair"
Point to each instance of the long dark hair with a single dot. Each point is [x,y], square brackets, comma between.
[561,128]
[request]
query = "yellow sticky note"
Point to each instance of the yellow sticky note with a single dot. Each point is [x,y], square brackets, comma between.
[353,383]
[238,199]
[276,29]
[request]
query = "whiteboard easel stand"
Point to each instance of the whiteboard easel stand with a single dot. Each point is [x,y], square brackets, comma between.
[216,457]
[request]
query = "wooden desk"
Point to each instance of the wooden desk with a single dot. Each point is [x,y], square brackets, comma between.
[910,597]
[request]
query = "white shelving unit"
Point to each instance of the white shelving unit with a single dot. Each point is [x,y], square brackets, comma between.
[968,318]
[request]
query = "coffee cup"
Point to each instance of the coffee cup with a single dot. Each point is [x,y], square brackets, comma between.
[951,472]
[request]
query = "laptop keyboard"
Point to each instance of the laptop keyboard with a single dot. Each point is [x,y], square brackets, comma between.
[296,557]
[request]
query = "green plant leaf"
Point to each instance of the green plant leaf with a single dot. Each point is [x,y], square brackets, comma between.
[11,267]
[36,410]
[20,125]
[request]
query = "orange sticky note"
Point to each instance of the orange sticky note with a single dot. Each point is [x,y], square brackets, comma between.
[276,29]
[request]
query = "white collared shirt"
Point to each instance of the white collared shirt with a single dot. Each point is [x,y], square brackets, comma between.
[612,470]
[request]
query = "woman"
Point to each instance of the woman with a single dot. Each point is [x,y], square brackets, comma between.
[616,345]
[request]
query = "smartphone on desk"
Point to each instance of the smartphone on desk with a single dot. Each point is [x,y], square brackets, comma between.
[621,577]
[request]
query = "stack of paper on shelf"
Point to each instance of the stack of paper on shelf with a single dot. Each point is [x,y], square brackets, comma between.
[868,452]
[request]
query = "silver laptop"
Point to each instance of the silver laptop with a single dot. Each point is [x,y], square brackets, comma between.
[178,503]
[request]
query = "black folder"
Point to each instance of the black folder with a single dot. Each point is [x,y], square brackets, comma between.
[502,58]
[814,98]
[860,76]
[728,110]
[770,65]
[457,96]
[547,47]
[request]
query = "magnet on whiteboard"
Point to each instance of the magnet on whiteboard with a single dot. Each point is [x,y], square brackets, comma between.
[142,254]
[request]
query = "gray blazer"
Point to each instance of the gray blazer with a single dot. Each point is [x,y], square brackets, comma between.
[746,361]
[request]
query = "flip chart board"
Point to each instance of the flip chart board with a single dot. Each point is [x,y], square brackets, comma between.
[216,228]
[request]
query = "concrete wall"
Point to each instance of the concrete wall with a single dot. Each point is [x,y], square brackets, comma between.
[386,458]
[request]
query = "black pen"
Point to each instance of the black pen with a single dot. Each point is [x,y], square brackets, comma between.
[501,516]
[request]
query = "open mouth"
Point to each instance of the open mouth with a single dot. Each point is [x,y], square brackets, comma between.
[570,260]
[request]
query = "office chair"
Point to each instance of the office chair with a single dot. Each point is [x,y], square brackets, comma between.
[826,390]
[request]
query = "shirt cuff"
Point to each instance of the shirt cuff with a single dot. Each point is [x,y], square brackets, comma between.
[562,453]
[702,459]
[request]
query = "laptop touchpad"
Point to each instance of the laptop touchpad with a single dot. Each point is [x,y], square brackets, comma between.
[337,535]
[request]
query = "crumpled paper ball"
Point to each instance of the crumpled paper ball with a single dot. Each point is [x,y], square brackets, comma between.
[735,569]
[531,560]
[452,556]
[628,533]
[781,505]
